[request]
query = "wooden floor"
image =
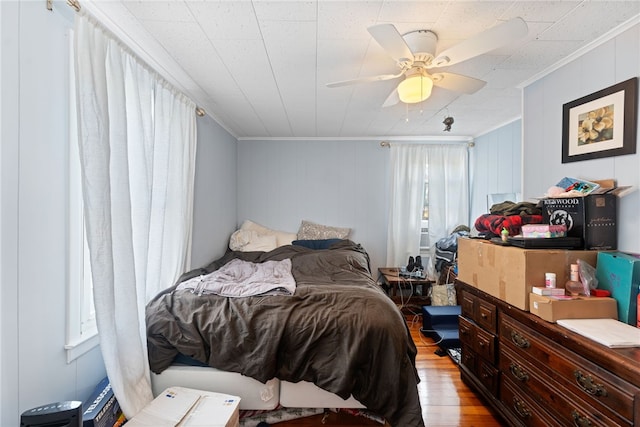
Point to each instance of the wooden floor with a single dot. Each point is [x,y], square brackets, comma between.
[446,400]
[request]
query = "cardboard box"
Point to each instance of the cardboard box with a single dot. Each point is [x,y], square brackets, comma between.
[551,309]
[102,409]
[619,273]
[510,273]
[189,408]
[592,218]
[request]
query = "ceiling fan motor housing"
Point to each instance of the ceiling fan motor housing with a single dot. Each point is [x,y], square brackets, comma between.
[423,45]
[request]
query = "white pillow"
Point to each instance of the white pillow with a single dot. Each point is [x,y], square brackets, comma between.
[240,238]
[250,240]
[261,243]
[282,237]
[250,225]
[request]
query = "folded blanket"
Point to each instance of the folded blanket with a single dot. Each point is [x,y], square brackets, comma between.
[513,223]
[239,278]
[510,208]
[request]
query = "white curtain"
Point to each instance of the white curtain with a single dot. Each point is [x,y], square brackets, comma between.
[447,167]
[448,191]
[137,140]
[408,168]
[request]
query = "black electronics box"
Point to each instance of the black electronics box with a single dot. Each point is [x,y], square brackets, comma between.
[102,409]
[594,218]
[62,414]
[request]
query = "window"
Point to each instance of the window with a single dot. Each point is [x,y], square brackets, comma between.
[424,229]
[82,332]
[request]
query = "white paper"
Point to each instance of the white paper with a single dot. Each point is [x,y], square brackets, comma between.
[609,332]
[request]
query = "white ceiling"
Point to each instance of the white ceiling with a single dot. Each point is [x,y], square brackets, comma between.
[260,67]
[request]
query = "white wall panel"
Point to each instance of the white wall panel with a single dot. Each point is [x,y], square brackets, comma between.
[35,137]
[497,167]
[338,183]
[9,74]
[612,62]
[346,183]
[214,206]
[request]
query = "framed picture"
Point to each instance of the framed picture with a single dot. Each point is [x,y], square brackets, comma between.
[602,124]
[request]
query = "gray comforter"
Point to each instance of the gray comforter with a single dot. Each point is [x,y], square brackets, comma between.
[339,331]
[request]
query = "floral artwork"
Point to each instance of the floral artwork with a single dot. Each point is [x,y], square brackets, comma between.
[603,124]
[596,125]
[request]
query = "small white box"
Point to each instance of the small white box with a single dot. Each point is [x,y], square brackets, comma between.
[186,407]
[541,290]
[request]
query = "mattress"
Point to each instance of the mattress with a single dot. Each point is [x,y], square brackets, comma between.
[253,394]
[339,331]
[308,395]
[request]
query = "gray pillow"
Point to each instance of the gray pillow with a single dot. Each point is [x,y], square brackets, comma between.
[312,231]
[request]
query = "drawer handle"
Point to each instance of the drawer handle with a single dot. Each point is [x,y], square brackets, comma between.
[588,385]
[579,420]
[519,340]
[521,408]
[519,372]
[484,316]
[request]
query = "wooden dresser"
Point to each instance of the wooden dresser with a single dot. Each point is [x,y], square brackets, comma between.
[536,373]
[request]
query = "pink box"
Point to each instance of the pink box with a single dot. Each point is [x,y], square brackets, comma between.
[541,290]
[543,230]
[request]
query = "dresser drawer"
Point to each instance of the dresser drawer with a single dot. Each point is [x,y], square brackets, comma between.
[553,396]
[466,331]
[467,305]
[531,413]
[489,375]
[480,311]
[601,390]
[522,407]
[486,315]
[536,373]
[521,372]
[485,373]
[469,359]
[479,340]
[486,345]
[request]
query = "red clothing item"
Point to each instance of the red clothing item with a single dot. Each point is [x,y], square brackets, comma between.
[513,223]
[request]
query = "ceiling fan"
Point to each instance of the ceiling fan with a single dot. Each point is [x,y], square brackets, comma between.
[415,55]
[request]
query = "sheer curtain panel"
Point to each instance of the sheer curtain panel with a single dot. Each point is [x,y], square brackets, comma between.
[137,142]
[448,181]
[448,191]
[408,167]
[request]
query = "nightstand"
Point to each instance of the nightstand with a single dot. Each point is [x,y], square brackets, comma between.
[409,293]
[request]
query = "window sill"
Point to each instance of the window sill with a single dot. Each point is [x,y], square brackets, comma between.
[77,348]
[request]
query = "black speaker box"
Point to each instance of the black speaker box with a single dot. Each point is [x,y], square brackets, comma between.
[59,414]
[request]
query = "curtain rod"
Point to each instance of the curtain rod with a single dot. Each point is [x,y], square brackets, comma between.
[75,4]
[388,144]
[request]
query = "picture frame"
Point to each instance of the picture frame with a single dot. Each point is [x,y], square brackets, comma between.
[602,124]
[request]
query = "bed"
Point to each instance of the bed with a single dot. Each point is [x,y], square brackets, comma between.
[338,333]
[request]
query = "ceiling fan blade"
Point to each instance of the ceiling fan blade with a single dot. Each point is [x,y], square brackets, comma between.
[457,82]
[391,40]
[392,99]
[486,41]
[364,80]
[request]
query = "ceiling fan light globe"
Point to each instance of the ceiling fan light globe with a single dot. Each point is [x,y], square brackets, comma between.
[415,89]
